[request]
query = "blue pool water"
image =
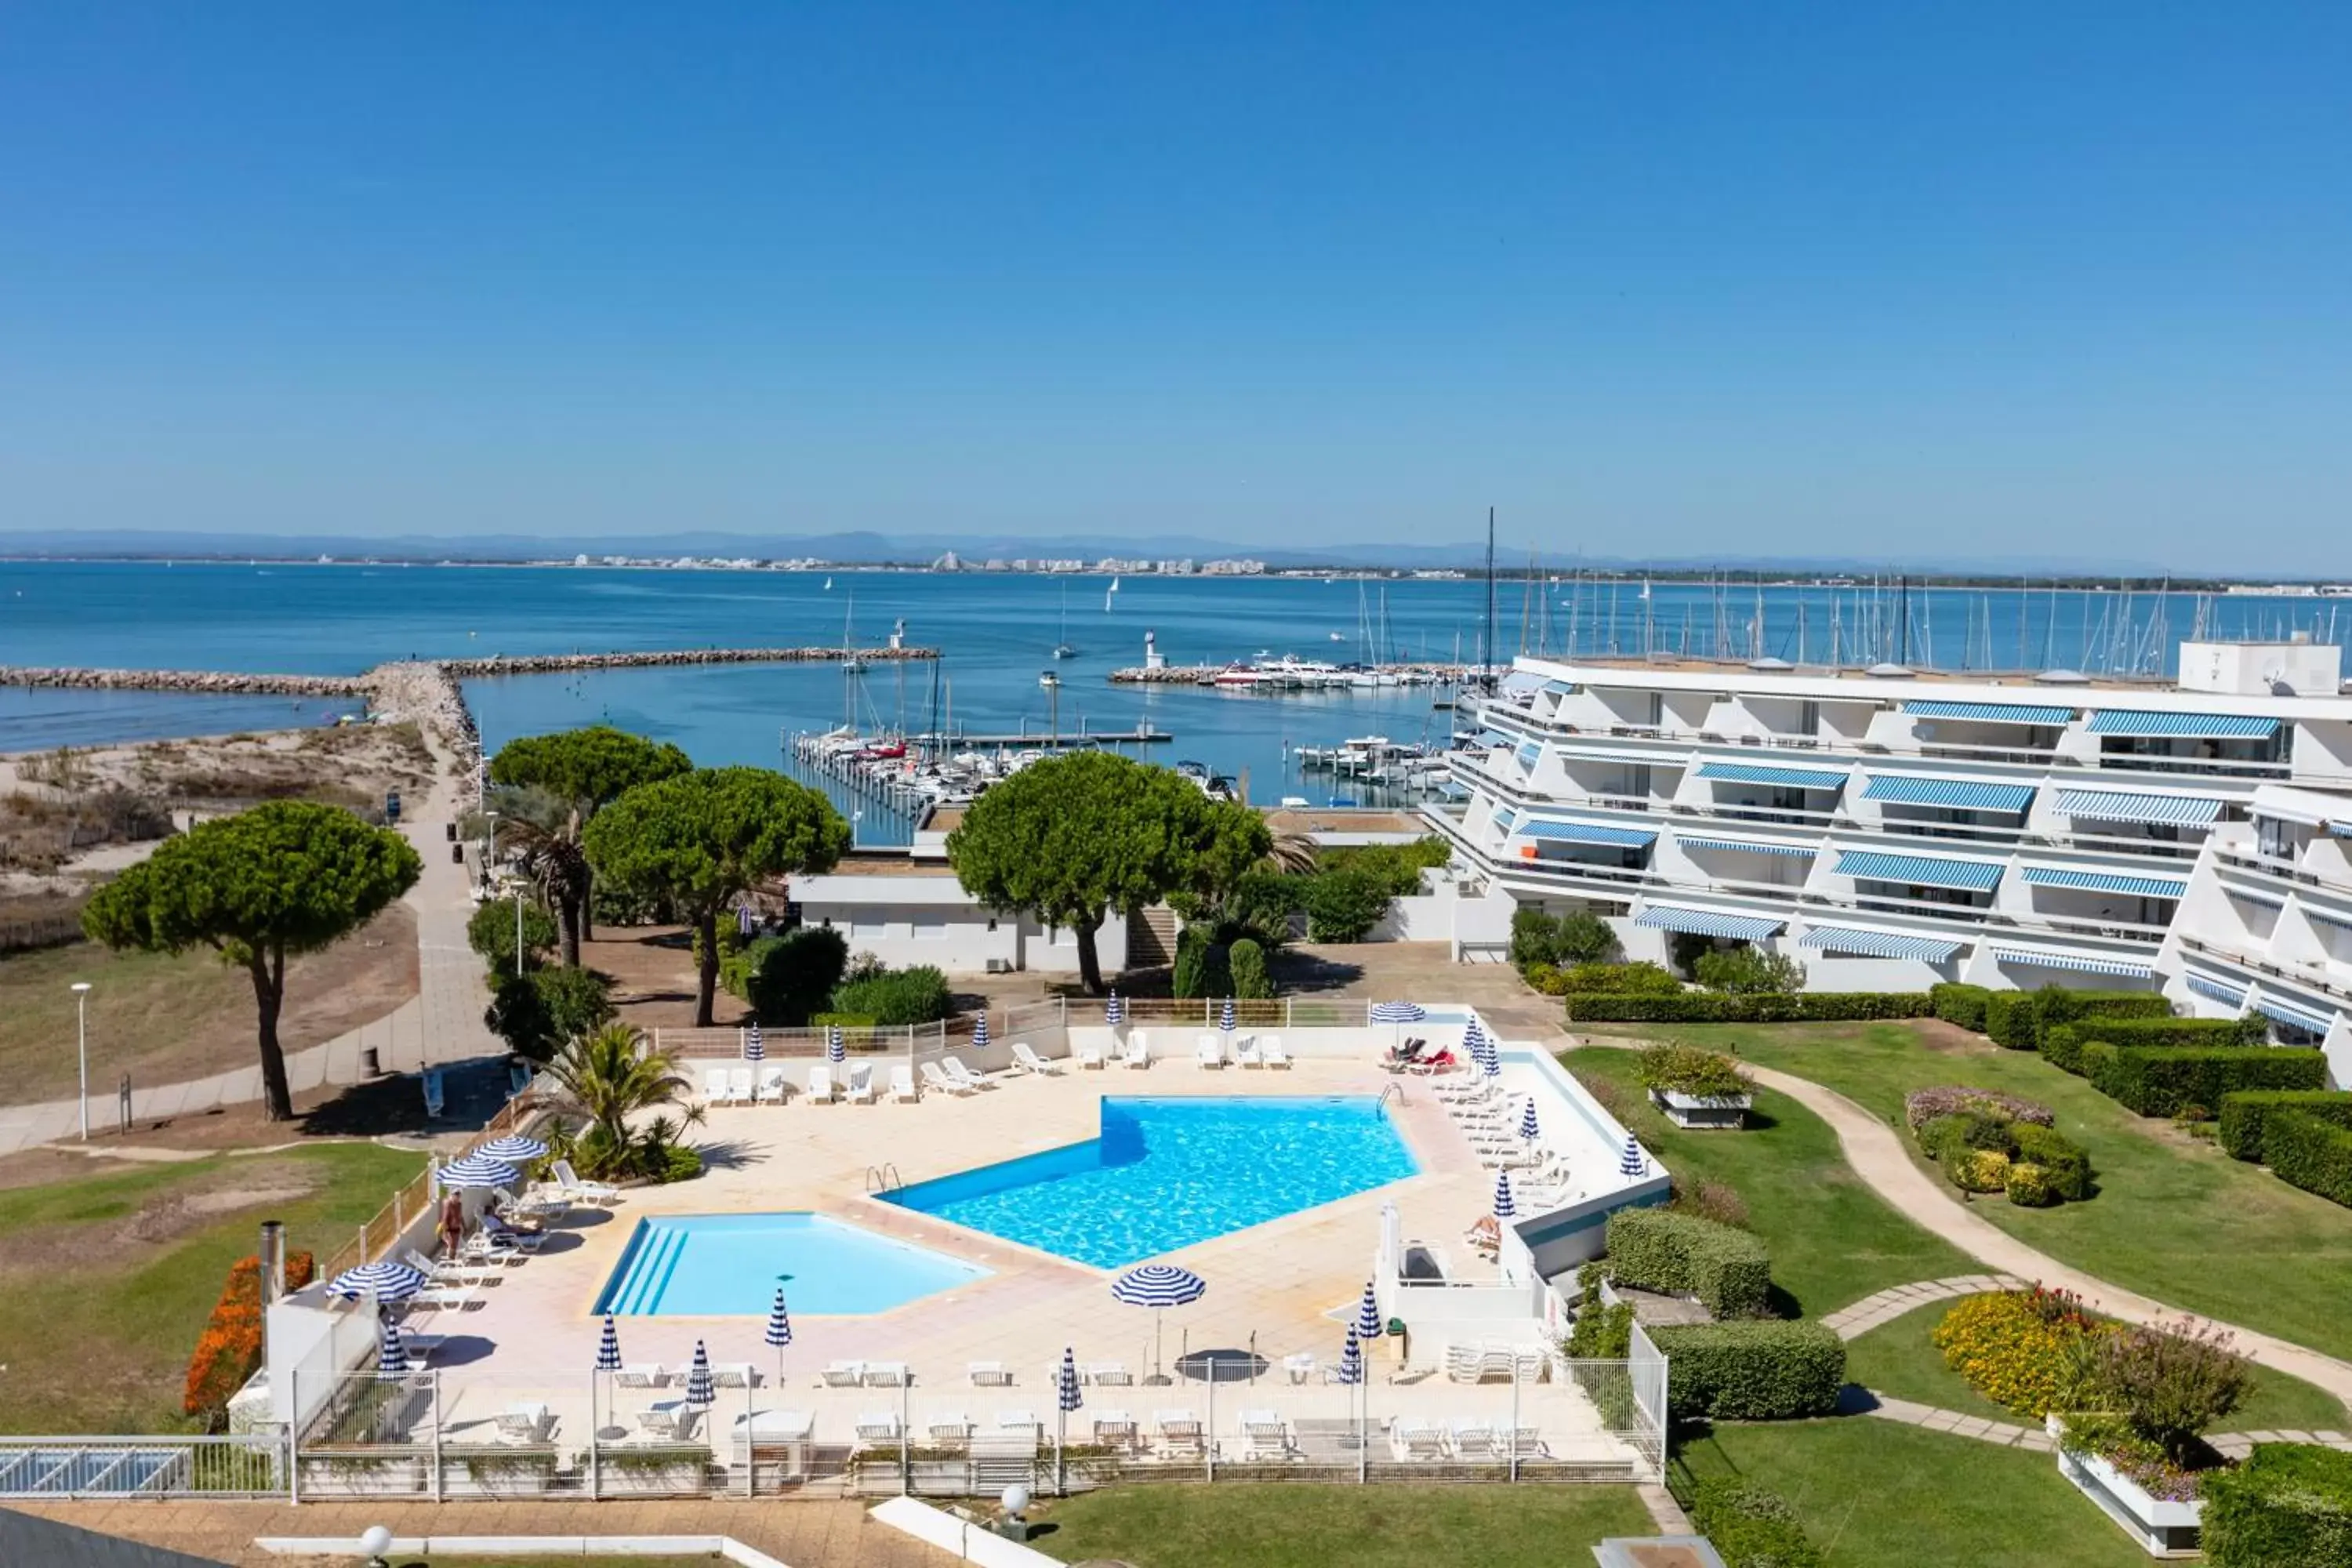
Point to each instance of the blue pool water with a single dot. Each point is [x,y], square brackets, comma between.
[1166,1174]
[714,1265]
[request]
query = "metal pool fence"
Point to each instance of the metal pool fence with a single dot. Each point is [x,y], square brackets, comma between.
[144,1466]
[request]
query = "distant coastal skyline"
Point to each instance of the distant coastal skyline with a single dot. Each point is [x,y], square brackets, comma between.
[2006,285]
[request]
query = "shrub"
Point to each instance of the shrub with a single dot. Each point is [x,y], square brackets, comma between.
[895,997]
[2312,1154]
[1654,1250]
[2064,1165]
[490,932]
[2244,1112]
[2013,1346]
[2167,1383]
[1642,979]
[1750,1527]
[1764,1369]
[1960,1004]
[1770,1007]
[1688,1070]
[2063,1044]
[2159,1081]
[1344,905]
[1922,1106]
[2288,1506]
[1600,1332]
[789,978]
[536,1012]
[2029,1186]
[2008,1019]
[1184,977]
[1247,960]
[1715,1201]
[678,1163]
[1578,937]
[1396,868]
[1745,971]
[1982,1170]
[229,1348]
[1545,980]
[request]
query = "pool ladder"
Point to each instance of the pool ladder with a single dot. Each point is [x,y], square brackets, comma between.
[882,1178]
[1382,1105]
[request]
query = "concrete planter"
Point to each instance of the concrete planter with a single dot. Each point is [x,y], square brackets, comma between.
[1704,1112]
[2162,1528]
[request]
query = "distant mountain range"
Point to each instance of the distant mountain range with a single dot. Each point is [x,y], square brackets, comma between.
[866,548]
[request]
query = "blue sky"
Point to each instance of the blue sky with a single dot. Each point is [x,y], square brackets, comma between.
[1988,279]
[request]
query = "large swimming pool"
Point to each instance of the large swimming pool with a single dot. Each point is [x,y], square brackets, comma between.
[1166,1174]
[717,1264]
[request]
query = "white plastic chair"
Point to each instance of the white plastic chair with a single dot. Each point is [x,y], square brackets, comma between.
[714,1085]
[770,1089]
[1208,1052]
[933,1077]
[902,1083]
[1137,1052]
[1029,1061]
[861,1085]
[820,1084]
[1270,1049]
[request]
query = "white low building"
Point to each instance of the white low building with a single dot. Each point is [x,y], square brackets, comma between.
[907,908]
[1892,830]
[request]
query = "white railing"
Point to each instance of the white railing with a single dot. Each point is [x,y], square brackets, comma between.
[83,1466]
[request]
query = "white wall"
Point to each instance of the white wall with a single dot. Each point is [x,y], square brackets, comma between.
[307,1334]
[957,937]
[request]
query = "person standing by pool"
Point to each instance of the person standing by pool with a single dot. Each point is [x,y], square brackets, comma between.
[453,1223]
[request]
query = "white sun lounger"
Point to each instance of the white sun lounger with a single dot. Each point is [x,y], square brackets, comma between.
[739,1086]
[861,1085]
[568,1182]
[1109,1374]
[639,1375]
[1299,1367]
[989,1374]
[1264,1435]
[1021,1421]
[714,1085]
[1137,1051]
[421,1347]
[1411,1438]
[1179,1430]
[1028,1060]
[886,1374]
[902,1083]
[845,1374]
[1245,1052]
[1090,1056]
[949,1428]
[820,1084]
[1115,1429]
[446,1297]
[1270,1050]
[525,1423]
[1474,1439]
[733,1374]
[770,1090]
[1208,1051]
[956,1070]
[934,1077]
[878,1427]
[669,1418]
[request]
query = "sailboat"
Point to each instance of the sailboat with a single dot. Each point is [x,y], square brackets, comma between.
[1062,649]
[1110,594]
[851,660]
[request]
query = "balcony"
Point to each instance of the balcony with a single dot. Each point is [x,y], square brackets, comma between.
[2335,979]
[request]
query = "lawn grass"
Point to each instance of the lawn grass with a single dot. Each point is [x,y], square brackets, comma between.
[1901,1359]
[1280,1525]
[106,1280]
[2175,1218]
[1834,1240]
[1870,1492]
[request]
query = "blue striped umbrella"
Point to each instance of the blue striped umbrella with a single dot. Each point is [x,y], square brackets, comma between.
[1506,1206]
[1633,1162]
[513,1149]
[745,920]
[1352,1358]
[1114,1011]
[1158,1286]
[1491,1064]
[608,1347]
[833,1051]
[1473,1039]
[755,1049]
[1065,1382]
[1528,1130]
[1368,1314]
[1225,1016]
[477,1170]
[385,1279]
[1398,1013]
[697,1380]
[390,1353]
[980,1031]
[780,1332]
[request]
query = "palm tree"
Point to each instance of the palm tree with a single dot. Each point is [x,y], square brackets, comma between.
[609,1076]
[547,833]
[1293,851]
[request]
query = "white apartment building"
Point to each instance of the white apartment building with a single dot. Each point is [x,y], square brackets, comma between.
[1892,829]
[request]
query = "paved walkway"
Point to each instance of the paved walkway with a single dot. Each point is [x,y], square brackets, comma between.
[1891,1303]
[442,1023]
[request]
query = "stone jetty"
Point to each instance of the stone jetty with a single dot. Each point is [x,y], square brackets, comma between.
[564,663]
[1280,677]
[199,682]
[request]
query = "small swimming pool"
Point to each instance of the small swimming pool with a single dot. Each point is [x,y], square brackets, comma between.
[1166,1174]
[721,1265]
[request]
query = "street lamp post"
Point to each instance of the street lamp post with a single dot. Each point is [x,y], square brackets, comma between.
[81,1050]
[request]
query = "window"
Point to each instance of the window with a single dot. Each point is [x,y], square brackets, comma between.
[868,928]
[931,928]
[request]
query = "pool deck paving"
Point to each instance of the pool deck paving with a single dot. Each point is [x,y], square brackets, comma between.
[1275,1288]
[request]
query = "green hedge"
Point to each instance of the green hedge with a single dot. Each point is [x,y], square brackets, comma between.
[1761,1007]
[2019,1019]
[2062,1044]
[2312,1154]
[2008,1019]
[1961,1004]
[2065,1166]
[2288,1506]
[2164,1081]
[1761,1370]
[1750,1527]
[1727,1269]
[2243,1113]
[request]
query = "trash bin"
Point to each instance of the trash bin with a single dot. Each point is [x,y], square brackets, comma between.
[450,831]
[368,1067]
[457,853]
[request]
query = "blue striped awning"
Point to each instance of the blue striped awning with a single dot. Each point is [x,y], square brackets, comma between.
[1754,845]
[1528,753]
[2283,1012]
[2248,896]
[1587,832]
[2230,997]
[1920,870]
[2218,726]
[1879,943]
[1761,773]
[2105,881]
[1969,795]
[2330,918]
[2120,805]
[1707,922]
[1505,815]
[1992,712]
[2341,829]
[2043,958]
